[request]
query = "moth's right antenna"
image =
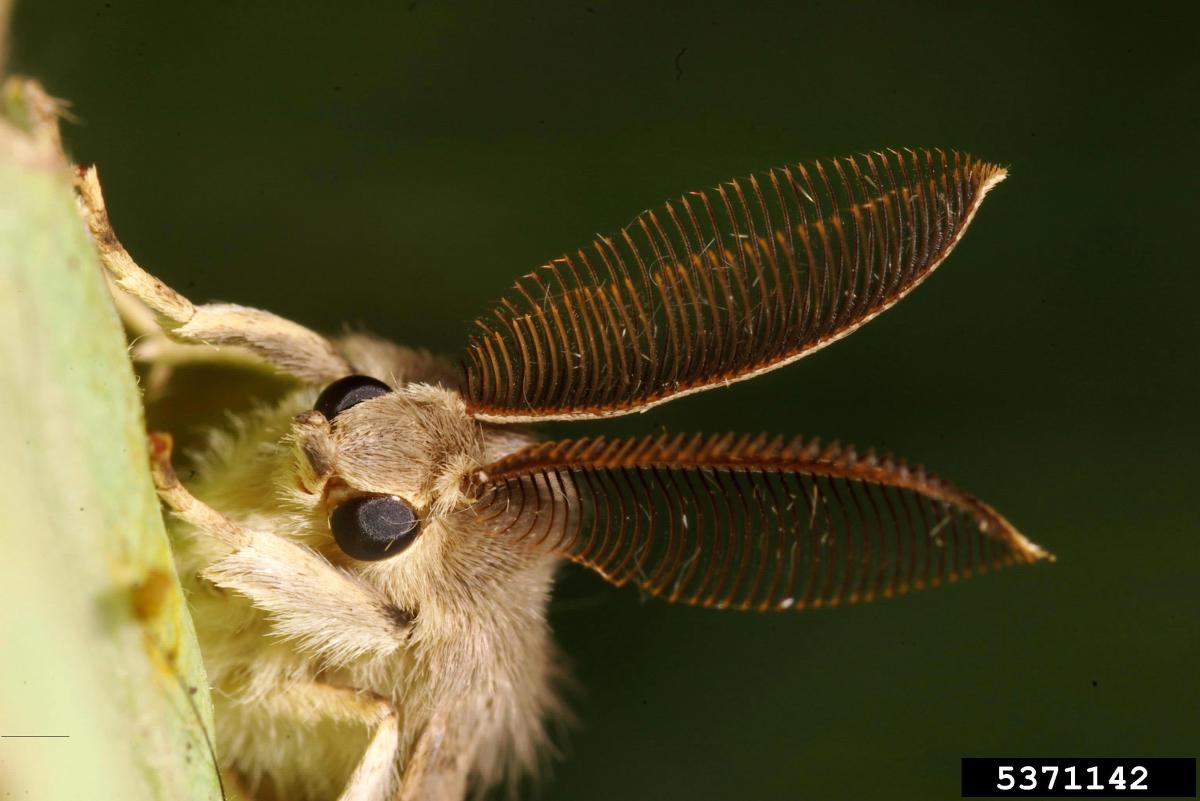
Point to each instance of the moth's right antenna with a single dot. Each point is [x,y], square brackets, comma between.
[745,522]
[720,286]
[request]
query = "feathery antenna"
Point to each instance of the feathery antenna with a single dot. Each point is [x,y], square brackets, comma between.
[745,522]
[722,285]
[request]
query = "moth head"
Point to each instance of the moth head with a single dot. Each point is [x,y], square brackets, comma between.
[381,465]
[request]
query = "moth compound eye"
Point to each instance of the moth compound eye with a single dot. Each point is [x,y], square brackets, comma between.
[374,527]
[346,392]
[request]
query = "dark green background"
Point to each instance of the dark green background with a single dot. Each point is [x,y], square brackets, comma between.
[396,166]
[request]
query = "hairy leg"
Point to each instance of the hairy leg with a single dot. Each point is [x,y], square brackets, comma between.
[326,610]
[286,346]
[152,347]
[373,777]
[437,768]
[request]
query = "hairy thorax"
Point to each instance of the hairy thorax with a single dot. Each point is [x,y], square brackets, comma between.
[471,640]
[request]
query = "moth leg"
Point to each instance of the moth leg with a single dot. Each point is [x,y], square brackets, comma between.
[152,347]
[373,776]
[437,768]
[186,506]
[311,702]
[137,318]
[287,346]
[326,610]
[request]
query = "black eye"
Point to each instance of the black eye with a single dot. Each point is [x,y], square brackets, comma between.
[346,392]
[374,527]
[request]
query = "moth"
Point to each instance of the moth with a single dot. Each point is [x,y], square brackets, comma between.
[369,560]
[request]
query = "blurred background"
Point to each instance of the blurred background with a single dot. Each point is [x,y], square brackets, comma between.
[396,166]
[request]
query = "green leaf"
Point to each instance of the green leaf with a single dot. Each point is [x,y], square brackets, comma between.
[98,649]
